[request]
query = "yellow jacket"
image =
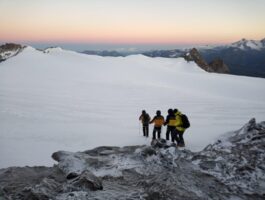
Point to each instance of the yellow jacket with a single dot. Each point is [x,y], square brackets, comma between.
[178,122]
[158,121]
[171,120]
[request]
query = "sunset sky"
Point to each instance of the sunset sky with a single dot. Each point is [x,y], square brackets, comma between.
[131,22]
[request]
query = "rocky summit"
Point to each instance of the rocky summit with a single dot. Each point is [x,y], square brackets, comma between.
[231,168]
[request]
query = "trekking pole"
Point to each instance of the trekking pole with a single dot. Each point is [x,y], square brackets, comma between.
[139,128]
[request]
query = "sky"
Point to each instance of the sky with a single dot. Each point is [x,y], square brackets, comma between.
[130,23]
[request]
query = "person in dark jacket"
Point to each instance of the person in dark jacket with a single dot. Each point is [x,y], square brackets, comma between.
[170,122]
[158,121]
[145,119]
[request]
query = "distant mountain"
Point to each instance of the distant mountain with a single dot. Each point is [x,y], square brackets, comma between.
[245,57]
[245,44]
[104,53]
[175,53]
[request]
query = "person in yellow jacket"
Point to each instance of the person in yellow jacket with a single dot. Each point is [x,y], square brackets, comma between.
[170,122]
[158,121]
[179,130]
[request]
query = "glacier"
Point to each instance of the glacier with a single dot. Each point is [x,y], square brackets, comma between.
[62,100]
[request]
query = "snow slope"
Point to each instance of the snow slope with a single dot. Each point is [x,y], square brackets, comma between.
[62,100]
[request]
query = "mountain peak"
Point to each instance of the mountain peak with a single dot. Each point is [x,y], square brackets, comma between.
[245,44]
[239,42]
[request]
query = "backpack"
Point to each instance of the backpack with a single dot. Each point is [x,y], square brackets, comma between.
[185,121]
[146,119]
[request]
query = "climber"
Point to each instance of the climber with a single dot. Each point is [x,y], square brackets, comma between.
[181,124]
[145,119]
[158,121]
[170,122]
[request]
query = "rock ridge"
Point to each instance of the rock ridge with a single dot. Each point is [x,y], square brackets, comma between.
[231,168]
[217,65]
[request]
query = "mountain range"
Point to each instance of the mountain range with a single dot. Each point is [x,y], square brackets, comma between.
[244,57]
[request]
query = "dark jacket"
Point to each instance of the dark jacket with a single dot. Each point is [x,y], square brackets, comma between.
[170,120]
[145,118]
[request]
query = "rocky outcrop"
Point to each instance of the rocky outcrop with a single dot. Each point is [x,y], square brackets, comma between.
[231,168]
[194,55]
[238,160]
[217,65]
[8,50]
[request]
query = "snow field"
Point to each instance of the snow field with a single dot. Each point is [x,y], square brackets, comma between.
[62,100]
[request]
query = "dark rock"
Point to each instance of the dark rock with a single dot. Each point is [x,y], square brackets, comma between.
[148,151]
[87,180]
[194,55]
[217,65]
[30,182]
[72,175]
[47,189]
[9,50]
[159,143]
[10,47]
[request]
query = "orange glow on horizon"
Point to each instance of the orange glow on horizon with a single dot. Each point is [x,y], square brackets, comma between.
[131,22]
[119,39]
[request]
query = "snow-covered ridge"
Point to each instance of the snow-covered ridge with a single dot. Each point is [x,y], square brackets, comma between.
[245,44]
[10,50]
